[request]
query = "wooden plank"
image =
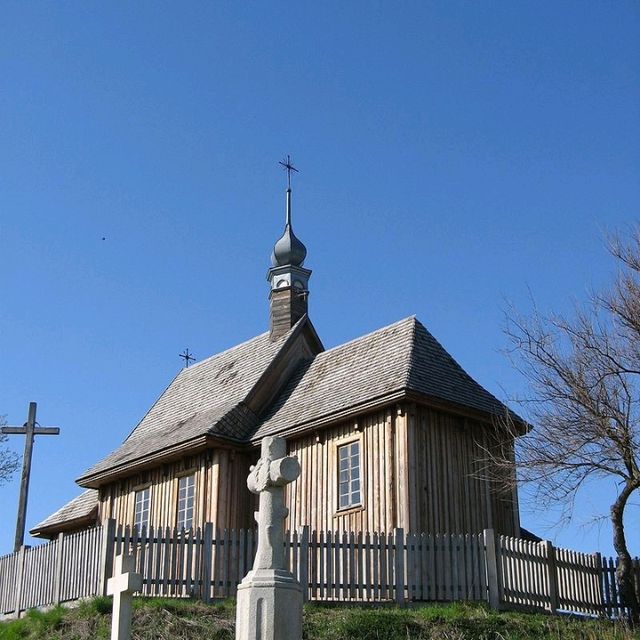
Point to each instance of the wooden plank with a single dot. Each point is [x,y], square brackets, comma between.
[552,575]
[375,563]
[207,562]
[172,570]
[19,581]
[352,567]
[303,562]
[166,561]
[385,591]
[491,551]
[142,558]
[157,588]
[226,569]
[344,566]
[399,565]
[331,568]
[322,564]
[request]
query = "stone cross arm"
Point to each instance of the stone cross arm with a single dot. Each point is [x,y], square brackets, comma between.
[124,579]
[124,583]
[275,468]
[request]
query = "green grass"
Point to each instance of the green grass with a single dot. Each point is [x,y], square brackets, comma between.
[164,619]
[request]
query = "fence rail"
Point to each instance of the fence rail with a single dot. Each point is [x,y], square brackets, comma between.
[331,566]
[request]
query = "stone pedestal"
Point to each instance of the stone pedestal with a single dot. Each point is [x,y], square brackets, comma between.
[269,606]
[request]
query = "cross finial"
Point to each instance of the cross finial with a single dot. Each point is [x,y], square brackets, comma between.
[288,167]
[187,357]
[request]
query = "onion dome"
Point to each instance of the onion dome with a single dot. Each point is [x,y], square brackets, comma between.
[288,250]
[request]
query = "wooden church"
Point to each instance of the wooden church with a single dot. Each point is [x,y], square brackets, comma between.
[389,430]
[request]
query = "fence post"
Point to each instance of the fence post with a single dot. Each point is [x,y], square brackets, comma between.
[552,575]
[303,561]
[19,579]
[598,561]
[106,554]
[399,564]
[57,585]
[207,561]
[491,558]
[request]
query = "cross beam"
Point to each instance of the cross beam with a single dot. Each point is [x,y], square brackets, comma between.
[288,167]
[187,357]
[30,429]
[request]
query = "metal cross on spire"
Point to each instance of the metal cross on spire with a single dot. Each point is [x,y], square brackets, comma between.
[187,357]
[288,167]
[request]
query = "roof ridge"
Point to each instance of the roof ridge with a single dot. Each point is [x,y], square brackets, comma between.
[448,354]
[186,370]
[220,353]
[182,373]
[411,351]
[368,335]
[459,368]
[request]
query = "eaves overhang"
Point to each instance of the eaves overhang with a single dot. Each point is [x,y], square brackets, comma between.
[400,395]
[192,446]
[67,525]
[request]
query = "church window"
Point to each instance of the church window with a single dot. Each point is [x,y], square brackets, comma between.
[141,511]
[186,493]
[349,479]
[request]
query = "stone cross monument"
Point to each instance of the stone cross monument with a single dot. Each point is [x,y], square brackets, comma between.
[270,598]
[124,582]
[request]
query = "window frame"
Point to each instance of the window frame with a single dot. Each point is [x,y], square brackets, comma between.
[352,506]
[137,490]
[185,476]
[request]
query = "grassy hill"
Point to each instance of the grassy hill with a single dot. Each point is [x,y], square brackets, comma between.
[160,619]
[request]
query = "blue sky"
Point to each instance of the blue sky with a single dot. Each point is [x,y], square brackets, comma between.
[453,156]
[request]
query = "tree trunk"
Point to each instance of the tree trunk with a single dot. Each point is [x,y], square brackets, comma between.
[624,568]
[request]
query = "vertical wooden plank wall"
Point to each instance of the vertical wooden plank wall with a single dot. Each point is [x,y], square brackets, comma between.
[312,498]
[447,491]
[421,470]
[221,496]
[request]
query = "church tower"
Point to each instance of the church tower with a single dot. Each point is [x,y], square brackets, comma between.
[288,279]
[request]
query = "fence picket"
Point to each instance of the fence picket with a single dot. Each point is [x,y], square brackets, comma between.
[341,565]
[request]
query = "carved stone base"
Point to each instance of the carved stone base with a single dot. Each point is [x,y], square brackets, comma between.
[269,606]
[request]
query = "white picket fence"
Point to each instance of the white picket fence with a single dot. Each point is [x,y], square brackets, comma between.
[331,566]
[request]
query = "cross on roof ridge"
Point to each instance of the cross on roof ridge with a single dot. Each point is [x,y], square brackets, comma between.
[187,357]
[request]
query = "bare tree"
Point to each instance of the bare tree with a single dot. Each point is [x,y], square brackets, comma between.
[8,459]
[584,404]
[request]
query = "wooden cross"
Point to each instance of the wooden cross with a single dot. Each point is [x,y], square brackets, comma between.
[122,586]
[187,357]
[288,167]
[29,430]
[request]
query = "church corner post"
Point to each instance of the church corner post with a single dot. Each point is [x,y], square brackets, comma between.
[270,598]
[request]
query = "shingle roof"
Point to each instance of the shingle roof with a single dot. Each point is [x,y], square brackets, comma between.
[80,507]
[208,398]
[434,372]
[352,373]
[203,398]
[402,356]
